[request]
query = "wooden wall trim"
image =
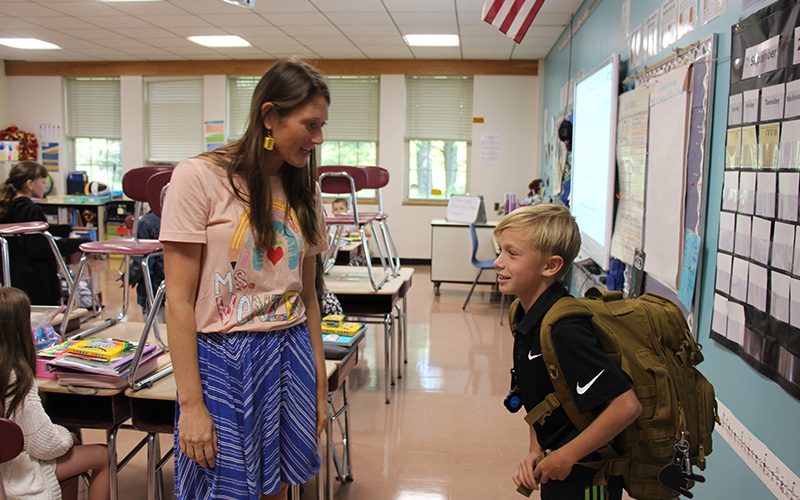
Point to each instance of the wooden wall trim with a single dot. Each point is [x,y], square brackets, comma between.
[529,67]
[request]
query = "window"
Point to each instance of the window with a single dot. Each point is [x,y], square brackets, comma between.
[240,93]
[351,134]
[174,118]
[93,126]
[438,136]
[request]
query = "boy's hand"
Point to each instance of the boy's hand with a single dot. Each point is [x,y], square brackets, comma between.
[524,474]
[557,465]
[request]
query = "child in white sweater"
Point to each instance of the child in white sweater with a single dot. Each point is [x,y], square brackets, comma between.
[50,460]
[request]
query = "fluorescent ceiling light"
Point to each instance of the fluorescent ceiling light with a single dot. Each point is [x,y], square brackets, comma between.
[28,43]
[431,40]
[220,41]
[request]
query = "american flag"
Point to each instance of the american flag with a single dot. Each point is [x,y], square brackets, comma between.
[511,17]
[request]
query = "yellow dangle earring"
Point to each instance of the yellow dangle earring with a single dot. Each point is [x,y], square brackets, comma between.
[269,142]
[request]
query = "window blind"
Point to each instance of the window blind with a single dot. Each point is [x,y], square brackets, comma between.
[174,117]
[353,113]
[93,107]
[439,108]
[240,93]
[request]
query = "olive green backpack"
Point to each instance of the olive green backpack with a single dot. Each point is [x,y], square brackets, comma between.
[649,340]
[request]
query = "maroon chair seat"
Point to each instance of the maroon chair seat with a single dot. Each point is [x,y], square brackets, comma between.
[20,228]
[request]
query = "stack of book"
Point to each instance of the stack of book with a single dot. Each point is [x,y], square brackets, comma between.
[340,336]
[101,363]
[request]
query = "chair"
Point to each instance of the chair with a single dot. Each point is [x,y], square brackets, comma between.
[378,178]
[350,180]
[480,265]
[13,442]
[134,185]
[17,229]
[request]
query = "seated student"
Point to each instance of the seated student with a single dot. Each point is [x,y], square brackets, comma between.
[33,266]
[148,229]
[328,302]
[51,461]
[340,206]
[534,196]
[537,246]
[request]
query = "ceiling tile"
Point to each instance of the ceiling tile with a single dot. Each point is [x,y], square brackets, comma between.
[342,19]
[57,23]
[151,9]
[419,5]
[244,19]
[444,29]
[370,30]
[336,6]
[381,41]
[118,21]
[208,7]
[179,21]
[423,18]
[297,19]
[302,31]
[250,31]
[184,32]
[268,7]
[144,33]
[92,32]
[26,9]
[84,9]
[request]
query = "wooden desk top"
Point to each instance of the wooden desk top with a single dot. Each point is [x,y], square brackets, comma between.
[36,311]
[349,280]
[123,331]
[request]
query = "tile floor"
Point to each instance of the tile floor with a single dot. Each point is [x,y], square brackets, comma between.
[446,434]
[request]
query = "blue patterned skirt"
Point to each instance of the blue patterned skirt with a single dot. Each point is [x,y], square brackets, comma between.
[260,389]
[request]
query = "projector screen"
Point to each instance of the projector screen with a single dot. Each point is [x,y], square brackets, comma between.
[594,159]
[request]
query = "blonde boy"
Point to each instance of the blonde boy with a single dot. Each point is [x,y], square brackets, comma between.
[537,246]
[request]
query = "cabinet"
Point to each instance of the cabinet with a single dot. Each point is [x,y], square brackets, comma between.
[86,214]
[451,252]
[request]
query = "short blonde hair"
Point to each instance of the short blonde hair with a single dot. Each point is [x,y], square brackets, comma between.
[549,228]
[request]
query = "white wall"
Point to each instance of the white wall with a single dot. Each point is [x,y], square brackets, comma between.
[510,106]
[31,100]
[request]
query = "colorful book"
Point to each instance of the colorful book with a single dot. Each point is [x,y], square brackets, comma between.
[342,340]
[116,366]
[105,349]
[335,323]
[56,350]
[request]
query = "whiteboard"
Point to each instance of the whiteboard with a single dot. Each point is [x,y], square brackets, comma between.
[466,208]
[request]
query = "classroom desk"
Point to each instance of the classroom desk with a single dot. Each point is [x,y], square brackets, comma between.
[89,408]
[353,289]
[79,202]
[152,410]
[75,317]
[347,252]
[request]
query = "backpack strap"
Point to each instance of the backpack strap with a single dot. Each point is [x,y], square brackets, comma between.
[512,312]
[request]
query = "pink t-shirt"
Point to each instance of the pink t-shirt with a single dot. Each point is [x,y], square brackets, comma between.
[238,289]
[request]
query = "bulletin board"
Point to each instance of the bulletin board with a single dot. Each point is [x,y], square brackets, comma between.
[685,79]
[757,288]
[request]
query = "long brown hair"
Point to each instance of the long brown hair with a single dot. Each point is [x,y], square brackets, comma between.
[289,84]
[17,352]
[21,173]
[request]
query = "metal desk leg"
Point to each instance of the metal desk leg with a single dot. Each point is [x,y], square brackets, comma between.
[152,461]
[387,347]
[111,439]
[328,460]
[401,333]
[348,467]
[405,328]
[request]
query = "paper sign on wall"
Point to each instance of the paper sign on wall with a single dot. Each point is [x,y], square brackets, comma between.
[761,58]
[466,208]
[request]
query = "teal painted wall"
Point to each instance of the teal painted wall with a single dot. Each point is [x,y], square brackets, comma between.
[760,404]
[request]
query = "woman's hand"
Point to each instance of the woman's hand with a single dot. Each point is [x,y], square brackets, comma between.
[322,414]
[197,436]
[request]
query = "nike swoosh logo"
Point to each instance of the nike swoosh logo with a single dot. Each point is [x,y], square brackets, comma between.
[580,390]
[532,356]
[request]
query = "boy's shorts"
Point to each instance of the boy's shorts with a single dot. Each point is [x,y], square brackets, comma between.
[578,486]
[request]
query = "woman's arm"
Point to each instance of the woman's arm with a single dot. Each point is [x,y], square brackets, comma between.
[196,433]
[314,325]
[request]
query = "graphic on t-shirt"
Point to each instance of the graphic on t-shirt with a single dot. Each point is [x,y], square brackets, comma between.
[249,265]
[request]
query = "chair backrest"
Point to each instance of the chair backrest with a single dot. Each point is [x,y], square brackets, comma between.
[474,235]
[155,190]
[333,179]
[12,438]
[377,177]
[134,182]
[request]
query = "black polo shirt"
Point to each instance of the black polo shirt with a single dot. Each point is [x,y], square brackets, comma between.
[593,380]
